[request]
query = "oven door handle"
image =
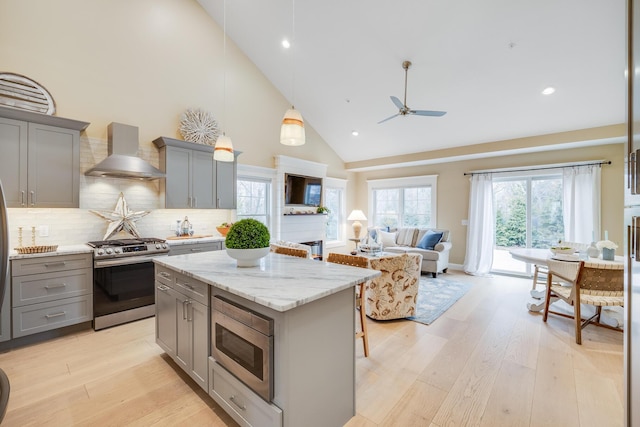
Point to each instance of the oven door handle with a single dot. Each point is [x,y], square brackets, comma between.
[123,261]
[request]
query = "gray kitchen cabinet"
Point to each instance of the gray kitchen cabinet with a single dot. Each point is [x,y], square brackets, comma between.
[193,179]
[40,164]
[194,247]
[49,292]
[182,322]
[226,183]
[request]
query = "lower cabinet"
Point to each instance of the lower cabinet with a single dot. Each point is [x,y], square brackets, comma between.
[49,292]
[182,322]
[245,407]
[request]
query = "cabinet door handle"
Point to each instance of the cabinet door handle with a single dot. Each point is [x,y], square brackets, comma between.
[33,198]
[239,405]
[61,285]
[49,316]
[189,201]
[163,288]
[184,311]
[22,197]
[195,250]
[164,274]
[56,264]
[189,304]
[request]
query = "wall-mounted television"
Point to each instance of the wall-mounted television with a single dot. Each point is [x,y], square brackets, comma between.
[302,190]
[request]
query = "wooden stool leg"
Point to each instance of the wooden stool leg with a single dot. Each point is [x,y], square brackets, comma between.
[363,322]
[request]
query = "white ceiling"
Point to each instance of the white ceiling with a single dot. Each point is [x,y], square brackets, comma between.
[484,62]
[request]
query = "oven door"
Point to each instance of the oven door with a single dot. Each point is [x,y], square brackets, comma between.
[245,352]
[123,290]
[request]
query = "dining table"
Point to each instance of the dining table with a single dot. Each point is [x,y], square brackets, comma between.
[540,257]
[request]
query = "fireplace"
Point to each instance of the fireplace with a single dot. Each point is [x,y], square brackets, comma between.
[316,249]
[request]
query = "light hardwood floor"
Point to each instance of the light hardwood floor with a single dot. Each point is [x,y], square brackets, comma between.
[487,361]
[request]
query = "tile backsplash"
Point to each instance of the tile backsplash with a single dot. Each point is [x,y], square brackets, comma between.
[77,226]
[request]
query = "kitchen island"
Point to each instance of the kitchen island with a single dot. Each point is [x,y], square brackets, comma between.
[312,306]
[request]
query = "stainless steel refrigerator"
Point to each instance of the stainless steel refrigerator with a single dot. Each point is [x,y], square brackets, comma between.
[5,315]
[632,222]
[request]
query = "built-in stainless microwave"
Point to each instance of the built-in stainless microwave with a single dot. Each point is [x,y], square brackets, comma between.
[242,342]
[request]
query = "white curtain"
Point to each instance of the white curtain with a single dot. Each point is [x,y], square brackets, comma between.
[480,230]
[581,203]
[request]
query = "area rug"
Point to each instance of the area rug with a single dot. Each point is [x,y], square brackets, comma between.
[435,296]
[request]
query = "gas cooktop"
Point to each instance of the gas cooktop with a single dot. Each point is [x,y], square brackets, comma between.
[128,247]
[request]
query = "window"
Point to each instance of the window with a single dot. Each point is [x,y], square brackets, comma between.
[334,200]
[403,202]
[253,199]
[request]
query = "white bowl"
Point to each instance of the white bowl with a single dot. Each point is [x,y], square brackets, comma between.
[248,257]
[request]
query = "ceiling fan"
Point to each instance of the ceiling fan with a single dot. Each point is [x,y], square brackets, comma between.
[404,110]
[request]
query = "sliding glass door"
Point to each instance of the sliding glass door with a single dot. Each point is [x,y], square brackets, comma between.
[528,214]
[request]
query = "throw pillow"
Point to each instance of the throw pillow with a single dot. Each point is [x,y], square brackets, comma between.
[429,240]
[388,239]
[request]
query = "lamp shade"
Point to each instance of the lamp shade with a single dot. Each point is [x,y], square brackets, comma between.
[223,151]
[356,215]
[292,130]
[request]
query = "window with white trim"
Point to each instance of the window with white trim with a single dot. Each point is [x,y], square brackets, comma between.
[254,199]
[403,202]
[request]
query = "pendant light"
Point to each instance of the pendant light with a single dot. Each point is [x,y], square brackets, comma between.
[292,130]
[223,150]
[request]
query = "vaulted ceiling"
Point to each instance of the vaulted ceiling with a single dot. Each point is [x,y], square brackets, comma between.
[483,62]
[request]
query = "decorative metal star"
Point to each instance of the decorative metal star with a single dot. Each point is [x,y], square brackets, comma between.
[121,219]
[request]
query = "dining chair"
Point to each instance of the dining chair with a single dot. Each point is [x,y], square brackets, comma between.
[362,262]
[596,284]
[300,253]
[394,294]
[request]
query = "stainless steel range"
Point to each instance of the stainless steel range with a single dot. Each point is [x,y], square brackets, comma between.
[123,279]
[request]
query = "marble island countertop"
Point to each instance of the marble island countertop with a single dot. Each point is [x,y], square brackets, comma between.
[281,282]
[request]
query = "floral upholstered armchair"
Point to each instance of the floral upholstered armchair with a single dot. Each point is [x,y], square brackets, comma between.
[393,294]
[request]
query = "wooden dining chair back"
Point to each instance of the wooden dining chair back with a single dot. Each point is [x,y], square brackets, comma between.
[362,262]
[596,284]
[300,253]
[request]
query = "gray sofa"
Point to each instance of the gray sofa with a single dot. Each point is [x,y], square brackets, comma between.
[407,240]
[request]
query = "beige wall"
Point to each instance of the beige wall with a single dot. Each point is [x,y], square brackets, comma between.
[143,62]
[453,187]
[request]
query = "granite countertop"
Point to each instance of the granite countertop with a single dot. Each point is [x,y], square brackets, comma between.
[281,282]
[62,250]
[192,240]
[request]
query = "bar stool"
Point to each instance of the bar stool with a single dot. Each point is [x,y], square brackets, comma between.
[362,262]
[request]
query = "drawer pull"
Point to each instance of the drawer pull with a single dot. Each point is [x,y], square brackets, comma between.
[61,285]
[186,285]
[196,250]
[164,274]
[163,288]
[50,316]
[233,399]
[56,264]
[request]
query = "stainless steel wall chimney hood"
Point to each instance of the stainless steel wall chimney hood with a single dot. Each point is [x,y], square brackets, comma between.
[122,161]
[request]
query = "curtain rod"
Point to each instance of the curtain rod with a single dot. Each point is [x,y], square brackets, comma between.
[533,168]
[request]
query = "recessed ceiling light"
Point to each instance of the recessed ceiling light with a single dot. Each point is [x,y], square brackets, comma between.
[286,44]
[548,91]
[355,133]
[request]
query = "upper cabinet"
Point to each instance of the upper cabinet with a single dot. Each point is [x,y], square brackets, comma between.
[40,162]
[193,179]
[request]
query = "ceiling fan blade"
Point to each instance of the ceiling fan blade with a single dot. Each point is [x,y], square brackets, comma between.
[388,118]
[398,103]
[427,113]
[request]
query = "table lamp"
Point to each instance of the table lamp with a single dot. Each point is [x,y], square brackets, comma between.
[356,216]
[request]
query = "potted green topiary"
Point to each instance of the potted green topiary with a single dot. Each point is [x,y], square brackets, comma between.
[247,241]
